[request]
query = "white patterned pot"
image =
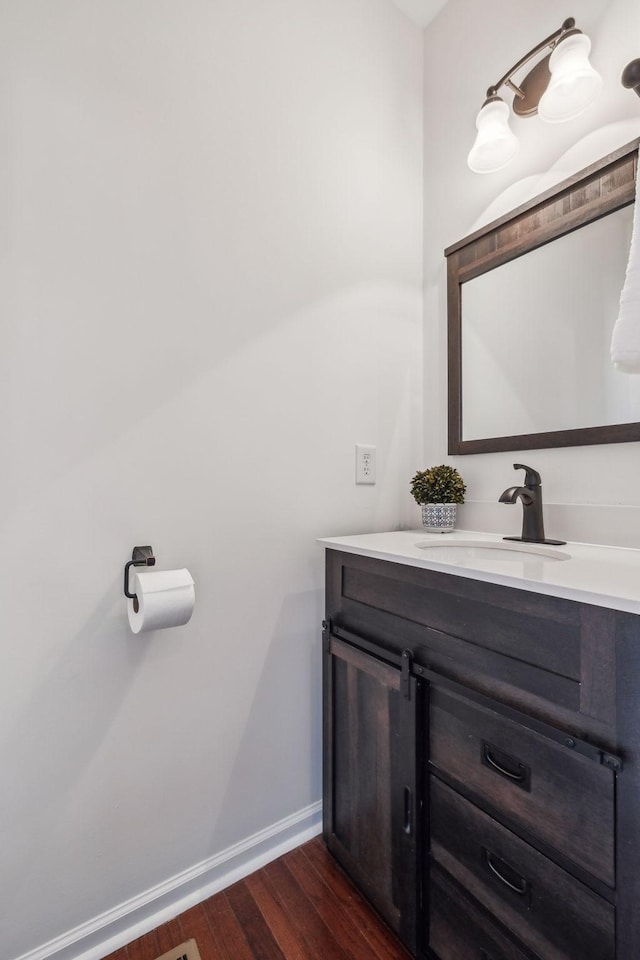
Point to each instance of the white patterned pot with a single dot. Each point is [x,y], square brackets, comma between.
[439,517]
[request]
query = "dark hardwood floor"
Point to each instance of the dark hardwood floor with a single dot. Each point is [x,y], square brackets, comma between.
[300,907]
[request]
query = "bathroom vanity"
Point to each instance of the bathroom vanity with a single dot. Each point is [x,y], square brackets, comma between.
[482,742]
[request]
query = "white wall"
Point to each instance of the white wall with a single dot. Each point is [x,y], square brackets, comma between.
[591,493]
[211,266]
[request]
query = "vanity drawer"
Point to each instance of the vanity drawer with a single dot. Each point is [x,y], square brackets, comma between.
[547,909]
[544,787]
[458,930]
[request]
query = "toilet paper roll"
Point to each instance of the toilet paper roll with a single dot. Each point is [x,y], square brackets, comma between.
[165,598]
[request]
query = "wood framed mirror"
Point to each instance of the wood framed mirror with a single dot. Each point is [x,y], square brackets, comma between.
[532,299]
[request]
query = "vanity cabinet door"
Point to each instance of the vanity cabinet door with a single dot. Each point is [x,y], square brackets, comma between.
[370,816]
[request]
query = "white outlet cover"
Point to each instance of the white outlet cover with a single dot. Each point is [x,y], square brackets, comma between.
[365,463]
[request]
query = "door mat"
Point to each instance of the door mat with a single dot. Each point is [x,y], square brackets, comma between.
[186,951]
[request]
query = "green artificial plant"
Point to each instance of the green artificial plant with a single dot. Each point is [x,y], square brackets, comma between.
[441,484]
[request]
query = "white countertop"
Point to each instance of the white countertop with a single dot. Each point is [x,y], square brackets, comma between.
[604,576]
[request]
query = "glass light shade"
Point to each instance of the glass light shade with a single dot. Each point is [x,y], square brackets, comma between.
[574,84]
[496,145]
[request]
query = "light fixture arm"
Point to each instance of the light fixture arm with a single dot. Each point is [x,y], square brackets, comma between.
[568,25]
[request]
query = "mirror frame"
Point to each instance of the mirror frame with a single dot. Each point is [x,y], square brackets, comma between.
[600,189]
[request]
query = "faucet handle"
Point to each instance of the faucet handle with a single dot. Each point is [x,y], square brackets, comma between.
[532,478]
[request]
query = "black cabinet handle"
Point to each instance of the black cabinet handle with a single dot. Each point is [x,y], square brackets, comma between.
[497,760]
[516,884]
[407,810]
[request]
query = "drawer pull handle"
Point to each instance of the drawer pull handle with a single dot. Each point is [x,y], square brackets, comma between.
[407,810]
[518,885]
[519,776]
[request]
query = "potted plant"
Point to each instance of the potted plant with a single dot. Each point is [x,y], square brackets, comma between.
[438,490]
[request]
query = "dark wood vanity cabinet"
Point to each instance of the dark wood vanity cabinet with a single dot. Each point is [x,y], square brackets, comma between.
[482,763]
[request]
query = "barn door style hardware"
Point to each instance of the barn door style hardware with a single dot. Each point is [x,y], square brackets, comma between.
[405,679]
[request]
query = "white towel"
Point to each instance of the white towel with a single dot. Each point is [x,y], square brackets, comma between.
[625,341]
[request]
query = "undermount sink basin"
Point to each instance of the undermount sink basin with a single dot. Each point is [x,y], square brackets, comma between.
[465,550]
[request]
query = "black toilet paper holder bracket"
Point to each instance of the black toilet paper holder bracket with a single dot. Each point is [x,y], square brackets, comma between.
[141,557]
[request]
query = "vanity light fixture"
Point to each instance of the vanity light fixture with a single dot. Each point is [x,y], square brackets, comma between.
[631,76]
[559,87]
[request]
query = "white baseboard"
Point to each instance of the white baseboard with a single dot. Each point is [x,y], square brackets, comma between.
[111,930]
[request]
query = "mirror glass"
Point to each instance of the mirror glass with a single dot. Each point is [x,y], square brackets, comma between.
[535,336]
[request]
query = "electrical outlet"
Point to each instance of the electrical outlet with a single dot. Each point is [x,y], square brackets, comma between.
[365,463]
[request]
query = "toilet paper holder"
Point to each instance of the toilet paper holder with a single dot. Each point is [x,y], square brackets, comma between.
[141,557]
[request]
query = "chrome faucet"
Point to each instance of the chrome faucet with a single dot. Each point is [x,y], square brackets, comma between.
[531,496]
